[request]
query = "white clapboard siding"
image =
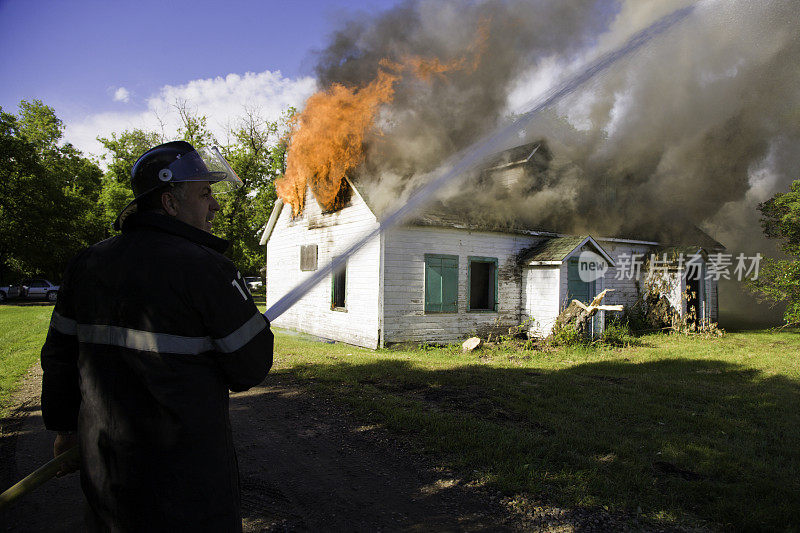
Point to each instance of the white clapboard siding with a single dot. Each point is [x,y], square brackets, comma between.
[359,324]
[540,289]
[385,288]
[405,319]
[626,291]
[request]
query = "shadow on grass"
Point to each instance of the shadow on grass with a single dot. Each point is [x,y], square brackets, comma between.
[680,439]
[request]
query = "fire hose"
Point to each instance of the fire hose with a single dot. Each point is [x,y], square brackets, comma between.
[37,477]
[459,164]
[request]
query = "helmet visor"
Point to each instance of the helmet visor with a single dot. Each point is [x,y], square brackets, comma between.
[203,164]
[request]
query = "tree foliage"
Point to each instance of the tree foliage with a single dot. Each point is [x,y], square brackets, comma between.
[194,128]
[48,194]
[122,151]
[54,201]
[257,155]
[779,279]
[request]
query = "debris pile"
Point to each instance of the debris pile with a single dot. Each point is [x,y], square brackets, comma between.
[578,316]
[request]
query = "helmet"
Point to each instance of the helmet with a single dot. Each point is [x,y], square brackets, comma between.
[176,162]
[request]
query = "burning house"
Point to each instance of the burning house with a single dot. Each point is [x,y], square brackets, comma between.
[445,274]
[687,132]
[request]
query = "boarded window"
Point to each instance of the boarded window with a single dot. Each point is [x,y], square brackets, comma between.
[483,284]
[308,257]
[441,283]
[338,288]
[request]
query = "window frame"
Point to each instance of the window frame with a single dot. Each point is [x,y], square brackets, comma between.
[334,274]
[481,259]
[426,304]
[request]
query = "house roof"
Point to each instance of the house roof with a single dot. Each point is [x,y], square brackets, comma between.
[556,250]
[440,215]
[273,219]
[472,212]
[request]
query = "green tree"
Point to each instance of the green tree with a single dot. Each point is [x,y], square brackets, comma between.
[122,151]
[779,279]
[257,155]
[48,194]
[194,128]
[39,125]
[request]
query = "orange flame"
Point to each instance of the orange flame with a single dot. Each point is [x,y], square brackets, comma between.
[326,139]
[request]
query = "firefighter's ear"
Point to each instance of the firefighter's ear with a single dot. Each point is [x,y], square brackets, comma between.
[169,203]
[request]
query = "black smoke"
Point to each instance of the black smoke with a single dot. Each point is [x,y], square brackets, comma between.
[693,131]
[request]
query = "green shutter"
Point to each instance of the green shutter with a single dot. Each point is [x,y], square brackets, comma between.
[496,294]
[449,286]
[441,283]
[433,285]
[577,289]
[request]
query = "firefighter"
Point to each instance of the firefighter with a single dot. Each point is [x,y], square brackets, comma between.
[151,330]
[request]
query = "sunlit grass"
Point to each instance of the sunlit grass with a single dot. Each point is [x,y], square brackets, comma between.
[685,429]
[688,430]
[22,333]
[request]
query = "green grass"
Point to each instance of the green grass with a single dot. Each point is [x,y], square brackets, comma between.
[689,430]
[22,332]
[23,328]
[260,298]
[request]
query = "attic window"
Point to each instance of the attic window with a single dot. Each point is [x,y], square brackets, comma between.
[483,284]
[308,257]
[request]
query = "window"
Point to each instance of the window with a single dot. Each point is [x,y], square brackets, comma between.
[483,284]
[338,288]
[577,289]
[441,283]
[308,257]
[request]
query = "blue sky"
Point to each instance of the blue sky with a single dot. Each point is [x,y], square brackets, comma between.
[78,55]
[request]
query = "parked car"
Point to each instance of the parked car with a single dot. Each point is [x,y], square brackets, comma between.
[39,288]
[253,283]
[10,291]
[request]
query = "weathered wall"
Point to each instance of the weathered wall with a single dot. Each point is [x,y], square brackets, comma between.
[712,299]
[625,292]
[404,283]
[359,324]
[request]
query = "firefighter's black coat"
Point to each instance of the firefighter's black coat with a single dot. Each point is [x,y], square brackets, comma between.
[150,331]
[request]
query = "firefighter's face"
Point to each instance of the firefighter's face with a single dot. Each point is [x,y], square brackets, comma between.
[197,206]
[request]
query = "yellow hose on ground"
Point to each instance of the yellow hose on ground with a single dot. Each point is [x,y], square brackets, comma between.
[37,477]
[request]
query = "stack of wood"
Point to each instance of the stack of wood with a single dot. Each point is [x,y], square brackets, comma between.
[578,315]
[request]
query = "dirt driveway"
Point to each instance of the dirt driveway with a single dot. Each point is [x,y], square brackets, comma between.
[305,463]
